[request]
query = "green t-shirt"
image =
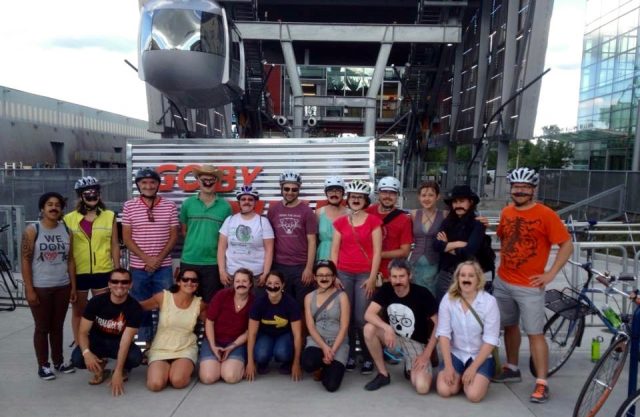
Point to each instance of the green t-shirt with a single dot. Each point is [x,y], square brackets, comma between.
[203,227]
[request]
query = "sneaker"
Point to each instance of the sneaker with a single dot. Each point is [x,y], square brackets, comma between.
[351,365]
[378,382]
[540,394]
[65,368]
[392,357]
[367,368]
[508,375]
[45,373]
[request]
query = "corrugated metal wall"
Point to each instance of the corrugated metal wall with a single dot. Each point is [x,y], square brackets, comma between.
[253,161]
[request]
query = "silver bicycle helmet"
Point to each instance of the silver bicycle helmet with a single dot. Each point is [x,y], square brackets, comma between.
[333,182]
[524,176]
[247,190]
[85,183]
[389,184]
[358,187]
[290,176]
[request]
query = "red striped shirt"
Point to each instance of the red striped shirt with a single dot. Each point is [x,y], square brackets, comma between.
[151,237]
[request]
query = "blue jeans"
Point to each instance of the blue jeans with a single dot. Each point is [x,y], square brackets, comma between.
[144,285]
[279,348]
[106,347]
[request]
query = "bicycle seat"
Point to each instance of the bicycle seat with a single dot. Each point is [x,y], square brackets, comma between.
[625,276]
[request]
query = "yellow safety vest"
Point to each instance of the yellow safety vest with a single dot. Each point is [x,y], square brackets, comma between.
[93,255]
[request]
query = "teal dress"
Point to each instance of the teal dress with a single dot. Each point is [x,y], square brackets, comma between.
[325,233]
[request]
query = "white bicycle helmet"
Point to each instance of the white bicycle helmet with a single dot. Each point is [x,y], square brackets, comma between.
[389,184]
[333,182]
[85,183]
[358,187]
[247,190]
[290,176]
[524,176]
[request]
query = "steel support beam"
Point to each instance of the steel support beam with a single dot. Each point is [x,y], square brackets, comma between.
[296,87]
[508,90]
[455,110]
[536,51]
[349,32]
[635,162]
[376,82]
[335,101]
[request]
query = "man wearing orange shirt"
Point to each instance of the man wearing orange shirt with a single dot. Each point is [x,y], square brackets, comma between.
[527,230]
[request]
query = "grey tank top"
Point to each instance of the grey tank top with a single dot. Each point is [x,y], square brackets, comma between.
[50,255]
[328,325]
[424,238]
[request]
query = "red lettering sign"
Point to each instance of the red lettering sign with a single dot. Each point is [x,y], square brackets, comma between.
[184,177]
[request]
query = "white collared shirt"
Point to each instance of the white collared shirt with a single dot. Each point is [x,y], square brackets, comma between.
[463,329]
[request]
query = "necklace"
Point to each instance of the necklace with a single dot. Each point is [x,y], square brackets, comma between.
[239,304]
[428,218]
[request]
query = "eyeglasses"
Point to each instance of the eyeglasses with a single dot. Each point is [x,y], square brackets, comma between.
[335,190]
[120,281]
[191,280]
[356,197]
[91,195]
[250,199]
[323,262]
[290,189]
[324,276]
[150,215]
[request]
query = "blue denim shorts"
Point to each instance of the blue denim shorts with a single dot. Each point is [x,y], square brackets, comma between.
[485,369]
[239,353]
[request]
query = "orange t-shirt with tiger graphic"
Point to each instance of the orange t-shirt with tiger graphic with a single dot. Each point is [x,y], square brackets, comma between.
[526,237]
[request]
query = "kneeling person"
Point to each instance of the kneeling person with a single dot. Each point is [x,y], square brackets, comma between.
[408,322]
[107,329]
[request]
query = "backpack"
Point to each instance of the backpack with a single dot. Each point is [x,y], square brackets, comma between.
[485,256]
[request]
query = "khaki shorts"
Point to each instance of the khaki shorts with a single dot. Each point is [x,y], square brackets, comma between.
[411,350]
[520,304]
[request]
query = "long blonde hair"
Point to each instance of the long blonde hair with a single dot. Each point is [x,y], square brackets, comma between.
[454,290]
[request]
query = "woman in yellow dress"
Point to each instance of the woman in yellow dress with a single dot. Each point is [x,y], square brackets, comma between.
[174,350]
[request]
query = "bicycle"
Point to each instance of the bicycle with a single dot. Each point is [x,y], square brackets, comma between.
[7,277]
[605,373]
[628,407]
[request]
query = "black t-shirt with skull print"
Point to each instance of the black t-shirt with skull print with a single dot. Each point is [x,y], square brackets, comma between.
[410,316]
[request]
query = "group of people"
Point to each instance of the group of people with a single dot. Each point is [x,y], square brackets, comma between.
[295,287]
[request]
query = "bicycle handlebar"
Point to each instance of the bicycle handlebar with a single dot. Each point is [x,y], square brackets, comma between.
[4,227]
[606,278]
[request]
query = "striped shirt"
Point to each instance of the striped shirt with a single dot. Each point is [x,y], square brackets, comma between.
[150,236]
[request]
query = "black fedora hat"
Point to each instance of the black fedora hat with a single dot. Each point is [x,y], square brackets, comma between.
[462,191]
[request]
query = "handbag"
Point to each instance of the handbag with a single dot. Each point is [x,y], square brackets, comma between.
[379,281]
[496,351]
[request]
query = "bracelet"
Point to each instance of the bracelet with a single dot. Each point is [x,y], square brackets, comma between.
[84,352]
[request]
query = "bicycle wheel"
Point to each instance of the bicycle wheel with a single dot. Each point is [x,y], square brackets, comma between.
[627,408]
[602,379]
[562,335]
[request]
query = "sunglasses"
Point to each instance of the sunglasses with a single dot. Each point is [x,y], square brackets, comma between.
[290,189]
[120,281]
[208,182]
[150,216]
[191,280]
[325,276]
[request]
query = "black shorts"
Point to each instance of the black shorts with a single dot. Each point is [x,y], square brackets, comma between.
[86,282]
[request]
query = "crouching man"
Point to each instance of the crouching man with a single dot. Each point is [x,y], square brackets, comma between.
[408,320]
[108,326]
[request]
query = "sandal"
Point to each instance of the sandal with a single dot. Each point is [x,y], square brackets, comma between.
[99,378]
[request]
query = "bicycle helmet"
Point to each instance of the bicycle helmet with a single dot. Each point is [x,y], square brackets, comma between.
[389,184]
[86,183]
[358,187]
[247,190]
[290,176]
[147,172]
[524,176]
[333,182]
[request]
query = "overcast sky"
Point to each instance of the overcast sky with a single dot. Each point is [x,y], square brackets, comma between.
[74,51]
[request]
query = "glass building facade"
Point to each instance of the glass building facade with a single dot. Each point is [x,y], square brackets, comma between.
[609,86]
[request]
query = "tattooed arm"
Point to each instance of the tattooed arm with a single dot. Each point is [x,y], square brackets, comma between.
[28,242]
